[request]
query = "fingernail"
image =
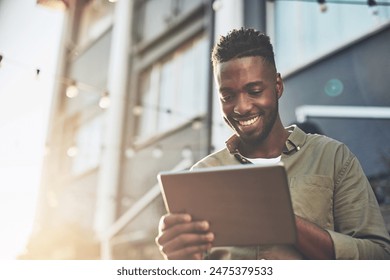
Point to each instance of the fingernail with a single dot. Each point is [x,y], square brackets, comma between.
[210,236]
[186,218]
[205,225]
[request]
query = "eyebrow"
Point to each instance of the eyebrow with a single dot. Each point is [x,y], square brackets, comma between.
[223,89]
[254,84]
[246,87]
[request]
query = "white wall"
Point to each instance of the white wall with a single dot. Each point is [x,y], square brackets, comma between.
[29,40]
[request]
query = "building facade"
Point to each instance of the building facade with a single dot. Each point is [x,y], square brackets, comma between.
[135,97]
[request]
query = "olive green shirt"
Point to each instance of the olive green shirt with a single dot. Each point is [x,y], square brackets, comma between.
[329,188]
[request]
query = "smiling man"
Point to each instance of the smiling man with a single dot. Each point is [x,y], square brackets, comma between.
[336,213]
[249,94]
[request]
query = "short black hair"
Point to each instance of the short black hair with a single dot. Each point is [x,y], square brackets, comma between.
[242,43]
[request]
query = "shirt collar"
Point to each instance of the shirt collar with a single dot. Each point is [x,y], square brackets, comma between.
[295,141]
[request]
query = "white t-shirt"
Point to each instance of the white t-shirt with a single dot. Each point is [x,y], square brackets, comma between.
[265,161]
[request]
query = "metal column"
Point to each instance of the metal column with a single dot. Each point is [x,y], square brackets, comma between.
[109,172]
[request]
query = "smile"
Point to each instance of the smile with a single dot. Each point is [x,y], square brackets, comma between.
[248,122]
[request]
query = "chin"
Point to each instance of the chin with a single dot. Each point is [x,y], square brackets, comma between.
[252,139]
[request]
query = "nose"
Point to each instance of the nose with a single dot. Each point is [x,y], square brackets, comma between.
[243,104]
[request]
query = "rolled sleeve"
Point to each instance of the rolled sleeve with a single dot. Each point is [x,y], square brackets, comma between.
[350,248]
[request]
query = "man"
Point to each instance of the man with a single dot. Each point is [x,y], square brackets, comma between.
[337,215]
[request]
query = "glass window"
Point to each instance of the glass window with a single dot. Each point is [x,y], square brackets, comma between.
[91,66]
[174,90]
[155,16]
[96,18]
[303,32]
[86,151]
[152,18]
[89,72]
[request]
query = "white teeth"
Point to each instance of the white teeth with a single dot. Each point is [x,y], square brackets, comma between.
[248,122]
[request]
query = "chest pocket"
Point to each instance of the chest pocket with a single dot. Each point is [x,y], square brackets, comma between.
[312,199]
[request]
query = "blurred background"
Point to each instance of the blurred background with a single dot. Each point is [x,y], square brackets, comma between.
[98,96]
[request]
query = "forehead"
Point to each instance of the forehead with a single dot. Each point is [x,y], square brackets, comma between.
[243,69]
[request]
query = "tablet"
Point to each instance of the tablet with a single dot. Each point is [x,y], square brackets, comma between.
[244,204]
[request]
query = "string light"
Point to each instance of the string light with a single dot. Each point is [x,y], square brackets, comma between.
[72,87]
[217,5]
[18,64]
[104,101]
[373,6]
[72,90]
[138,110]
[371,3]
[196,125]
[323,6]
[72,151]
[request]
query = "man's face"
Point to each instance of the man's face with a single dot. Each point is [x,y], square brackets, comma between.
[249,90]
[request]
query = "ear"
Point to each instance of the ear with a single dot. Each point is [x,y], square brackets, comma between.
[279,85]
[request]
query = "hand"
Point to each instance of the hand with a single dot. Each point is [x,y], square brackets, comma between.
[313,241]
[180,238]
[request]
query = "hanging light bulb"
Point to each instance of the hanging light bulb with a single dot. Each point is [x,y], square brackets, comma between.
[72,90]
[72,151]
[217,5]
[104,101]
[196,125]
[373,7]
[323,6]
[137,110]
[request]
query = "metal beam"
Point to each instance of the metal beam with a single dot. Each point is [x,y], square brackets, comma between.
[324,111]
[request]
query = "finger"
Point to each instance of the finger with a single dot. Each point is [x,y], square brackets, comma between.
[170,220]
[187,240]
[178,229]
[188,253]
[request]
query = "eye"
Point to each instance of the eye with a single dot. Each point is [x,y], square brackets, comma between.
[255,91]
[225,97]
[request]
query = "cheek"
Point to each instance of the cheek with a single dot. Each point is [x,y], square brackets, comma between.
[267,101]
[226,109]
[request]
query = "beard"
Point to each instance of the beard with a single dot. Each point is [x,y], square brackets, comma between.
[257,136]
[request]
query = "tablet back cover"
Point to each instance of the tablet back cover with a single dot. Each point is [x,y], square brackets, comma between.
[245,205]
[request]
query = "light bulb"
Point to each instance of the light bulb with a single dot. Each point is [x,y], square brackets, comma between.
[72,151]
[323,6]
[217,5]
[72,91]
[104,101]
[137,110]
